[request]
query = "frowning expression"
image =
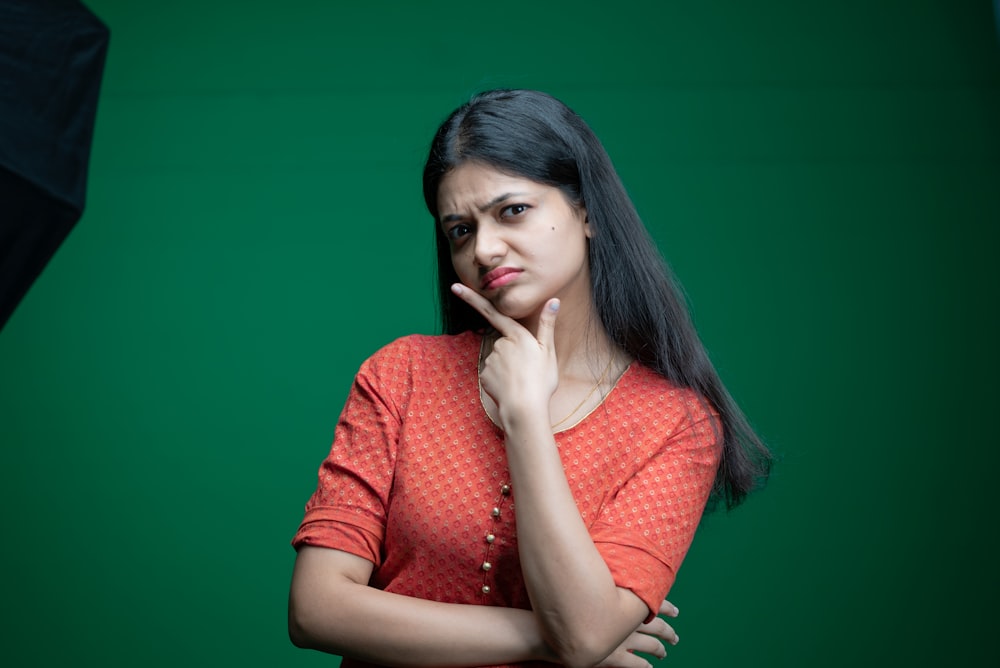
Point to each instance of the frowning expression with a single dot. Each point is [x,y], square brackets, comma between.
[515,241]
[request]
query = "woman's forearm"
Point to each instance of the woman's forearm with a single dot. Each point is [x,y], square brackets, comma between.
[332,609]
[583,615]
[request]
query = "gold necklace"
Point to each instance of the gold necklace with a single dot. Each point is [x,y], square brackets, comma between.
[479,380]
[600,380]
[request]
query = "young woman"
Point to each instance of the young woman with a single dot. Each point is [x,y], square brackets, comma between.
[524,487]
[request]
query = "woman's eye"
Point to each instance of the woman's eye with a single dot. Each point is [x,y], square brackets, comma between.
[456,232]
[513,210]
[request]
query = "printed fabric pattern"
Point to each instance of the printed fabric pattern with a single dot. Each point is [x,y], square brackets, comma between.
[417,482]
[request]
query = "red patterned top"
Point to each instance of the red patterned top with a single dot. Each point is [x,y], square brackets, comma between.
[416,480]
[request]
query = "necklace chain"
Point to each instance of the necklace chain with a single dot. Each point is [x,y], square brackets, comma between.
[604,374]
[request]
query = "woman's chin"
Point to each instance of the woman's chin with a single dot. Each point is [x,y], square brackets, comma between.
[518,310]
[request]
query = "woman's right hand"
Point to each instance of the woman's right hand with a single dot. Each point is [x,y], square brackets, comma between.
[521,372]
[648,639]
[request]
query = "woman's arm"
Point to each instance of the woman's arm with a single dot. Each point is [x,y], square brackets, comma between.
[331,608]
[583,615]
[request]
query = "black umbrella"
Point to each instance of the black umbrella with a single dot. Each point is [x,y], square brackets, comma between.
[51,62]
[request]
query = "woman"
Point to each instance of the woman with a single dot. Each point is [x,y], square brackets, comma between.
[524,487]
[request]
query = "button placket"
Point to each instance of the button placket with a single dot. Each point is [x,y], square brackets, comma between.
[490,538]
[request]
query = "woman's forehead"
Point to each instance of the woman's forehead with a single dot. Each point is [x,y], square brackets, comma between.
[479,186]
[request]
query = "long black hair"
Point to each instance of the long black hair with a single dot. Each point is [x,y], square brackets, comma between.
[532,135]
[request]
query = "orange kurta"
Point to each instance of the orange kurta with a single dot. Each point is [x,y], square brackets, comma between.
[415,479]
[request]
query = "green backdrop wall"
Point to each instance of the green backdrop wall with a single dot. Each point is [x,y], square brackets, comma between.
[824,178]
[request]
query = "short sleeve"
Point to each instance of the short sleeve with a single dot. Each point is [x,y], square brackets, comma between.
[645,531]
[348,509]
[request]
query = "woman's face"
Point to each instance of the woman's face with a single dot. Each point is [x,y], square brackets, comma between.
[515,241]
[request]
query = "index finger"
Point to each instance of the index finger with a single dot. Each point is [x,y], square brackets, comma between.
[503,324]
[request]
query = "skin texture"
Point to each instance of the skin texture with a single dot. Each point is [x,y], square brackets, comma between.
[493,220]
[540,364]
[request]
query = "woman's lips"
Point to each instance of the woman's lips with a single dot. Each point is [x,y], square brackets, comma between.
[499,277]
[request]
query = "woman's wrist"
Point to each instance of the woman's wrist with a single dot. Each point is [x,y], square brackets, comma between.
[525,423]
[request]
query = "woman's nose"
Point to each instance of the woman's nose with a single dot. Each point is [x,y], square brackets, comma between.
[490,246]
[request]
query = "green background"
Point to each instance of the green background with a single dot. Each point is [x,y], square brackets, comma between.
[824,178]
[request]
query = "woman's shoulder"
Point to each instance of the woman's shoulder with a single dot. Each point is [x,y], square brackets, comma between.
[423,353]
[430,346]
[663,396]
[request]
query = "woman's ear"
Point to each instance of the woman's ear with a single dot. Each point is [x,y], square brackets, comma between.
[587,229]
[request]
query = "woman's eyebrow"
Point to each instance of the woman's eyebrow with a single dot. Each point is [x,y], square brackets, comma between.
[452,217]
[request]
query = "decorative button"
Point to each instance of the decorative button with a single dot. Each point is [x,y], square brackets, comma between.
[487,565]
[490,538]
[486,589]
[505,490]
[496,512]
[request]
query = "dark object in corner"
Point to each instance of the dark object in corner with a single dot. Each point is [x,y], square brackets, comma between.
[51,62]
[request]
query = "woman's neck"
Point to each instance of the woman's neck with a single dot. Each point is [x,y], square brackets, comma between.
[581,343]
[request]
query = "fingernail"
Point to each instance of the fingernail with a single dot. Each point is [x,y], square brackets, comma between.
[554,306]
[456,288]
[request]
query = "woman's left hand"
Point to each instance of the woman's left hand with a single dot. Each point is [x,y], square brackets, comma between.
[521,372]
[648,639]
